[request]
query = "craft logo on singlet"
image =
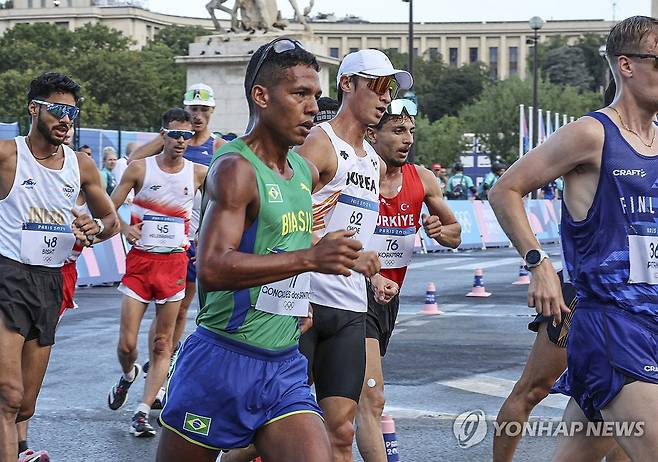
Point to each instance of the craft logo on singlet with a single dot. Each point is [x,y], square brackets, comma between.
[305,188]
[29,183]
[344,155]
[274,193]
[185,190]
[155,187]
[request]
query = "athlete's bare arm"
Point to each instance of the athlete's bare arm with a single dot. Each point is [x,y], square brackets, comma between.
[318,150]
[153,147]
[574,151]
[132,179]
[200,172]
[232,207]
[97,200]
[441,225]
[8,156]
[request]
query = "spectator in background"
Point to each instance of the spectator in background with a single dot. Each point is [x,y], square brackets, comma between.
[107,172]
[441,175]
[86,149]
[328,108]
[459,184]
[497,170]
[122,162]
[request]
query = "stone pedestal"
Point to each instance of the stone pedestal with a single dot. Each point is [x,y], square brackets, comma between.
[221,62]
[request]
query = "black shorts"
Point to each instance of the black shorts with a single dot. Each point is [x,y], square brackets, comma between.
[30,299]
[560,333]
[380,319]
[336,351]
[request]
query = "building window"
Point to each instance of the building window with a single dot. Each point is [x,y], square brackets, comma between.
[493,63]
[415,51]
[453,54]
[353,50]
[29,4]
[513,61]
[472,55]
[43,3]
[333,52]
[434,53]
[394,50]
[63,24]
[69,3]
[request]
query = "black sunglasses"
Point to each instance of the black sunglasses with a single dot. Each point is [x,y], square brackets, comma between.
[641,56]
[279,46]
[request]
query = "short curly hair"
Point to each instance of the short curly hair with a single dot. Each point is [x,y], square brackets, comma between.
[52,82]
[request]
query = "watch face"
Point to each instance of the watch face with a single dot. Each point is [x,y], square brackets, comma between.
[532,257]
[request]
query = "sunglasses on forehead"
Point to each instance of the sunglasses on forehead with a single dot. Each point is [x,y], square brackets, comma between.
[279,46]
[402,106]
[59,110]
[175,134]
[381,85]
[198,95]
[641,56]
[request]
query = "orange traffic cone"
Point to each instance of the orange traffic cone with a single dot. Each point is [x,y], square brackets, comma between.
[430,308]
[478,285]
[390,439]
[524,277]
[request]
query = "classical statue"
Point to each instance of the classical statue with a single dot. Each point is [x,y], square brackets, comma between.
[253,15]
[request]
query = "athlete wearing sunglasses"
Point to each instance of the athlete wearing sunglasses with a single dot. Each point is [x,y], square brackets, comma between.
[346,198]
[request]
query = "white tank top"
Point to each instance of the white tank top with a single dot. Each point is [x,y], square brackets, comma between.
[349,201]
[164,204]
[36,217]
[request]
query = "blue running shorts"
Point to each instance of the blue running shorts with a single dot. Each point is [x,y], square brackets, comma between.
[191,262]
[221,391]
[607,348]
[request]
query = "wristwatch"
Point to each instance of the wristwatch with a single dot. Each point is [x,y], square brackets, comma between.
[101,226]
[534,257]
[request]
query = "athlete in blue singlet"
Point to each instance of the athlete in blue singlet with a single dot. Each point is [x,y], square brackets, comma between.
[609,160]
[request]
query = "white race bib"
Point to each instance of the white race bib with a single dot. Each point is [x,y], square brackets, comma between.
[353,213]
[45,244]
[163,231]
[643,255]
[288,297]
[395,246]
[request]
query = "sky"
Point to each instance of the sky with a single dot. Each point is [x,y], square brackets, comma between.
[441,10]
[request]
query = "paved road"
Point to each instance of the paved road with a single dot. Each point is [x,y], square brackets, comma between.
[436,368]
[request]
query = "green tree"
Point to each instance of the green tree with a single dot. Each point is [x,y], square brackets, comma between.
[178,38]
[566,66]
[494,117]
[440,141]
[442,90]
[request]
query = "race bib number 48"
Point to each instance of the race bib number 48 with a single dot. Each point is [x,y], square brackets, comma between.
[643,255]
[45,244]
[163,231]
[353,213]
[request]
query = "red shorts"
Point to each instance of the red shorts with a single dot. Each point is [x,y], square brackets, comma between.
[70,274]
[158,277]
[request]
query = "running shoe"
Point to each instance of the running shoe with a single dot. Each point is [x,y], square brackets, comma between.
[33,456]
[119,392]
[140,425]
[157,404]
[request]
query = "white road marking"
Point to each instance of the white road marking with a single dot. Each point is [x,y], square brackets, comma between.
[494,386]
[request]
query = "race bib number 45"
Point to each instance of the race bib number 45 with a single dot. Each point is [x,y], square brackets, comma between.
[643,255]
[353,213]
[45,244]
[163,231]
